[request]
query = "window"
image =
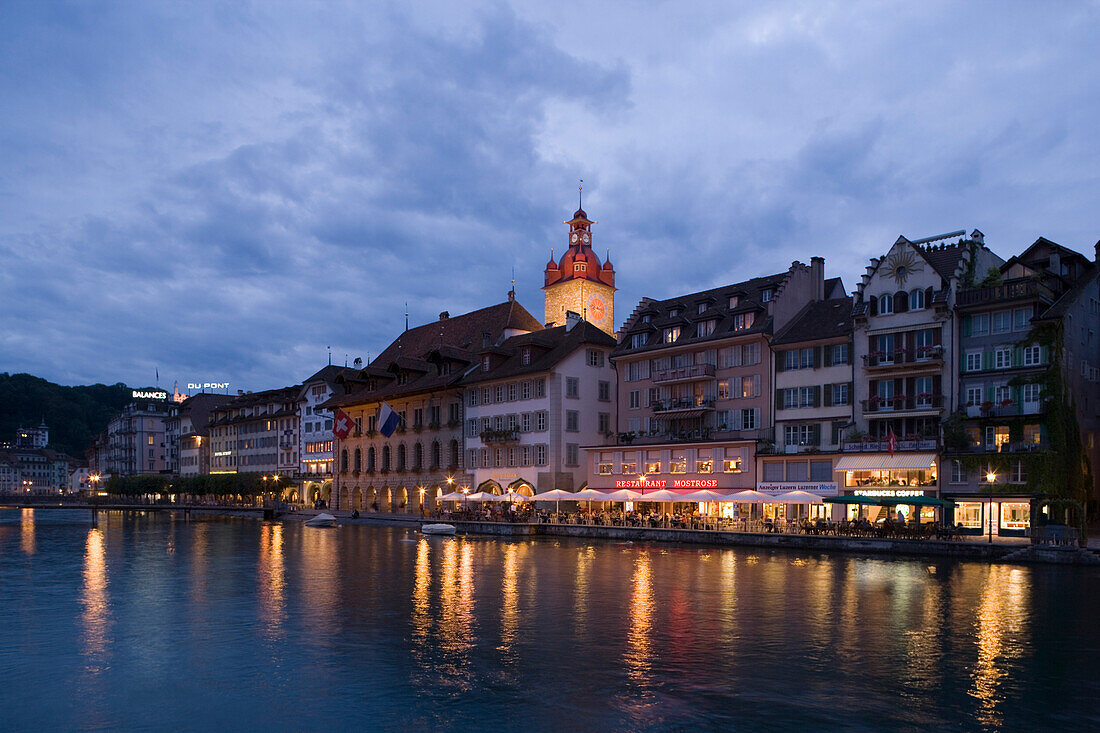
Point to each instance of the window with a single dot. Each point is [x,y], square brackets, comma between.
[706,328]
[973,395]
[571,454]
[916,300]
[750,418]
[733,301]
[800,434]
[1018,474]
[484,367]
[606,469]
[766,295]
[473,397]
[750,354]
[796,471]
[572,421]
[741,321]
[525,422]
[652,467]
[1002,321]
[486,396]
[1002,357]
[806,358]
[979,324]
[1032,355]
[885,304]
[673,312]
[1021,318]
[540,388]
[723,389]
[790,398]
[704,465]
[840,354]
[806,397]
[1002,394]
[678,464]
[603,391]
[512,392]
[525,391]
[821,470]
[500,393]
[733,465]
[790,360]
[958,473]
[671,335]
[604,422]
[594,358]
[637,340]
[572,387]
[1031,393]
[525,356]
[634,399]
[840,394]
[540,421]
[973,361]
[637,370]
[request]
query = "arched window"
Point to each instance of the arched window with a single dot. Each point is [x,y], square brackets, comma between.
[344,461]
[418,456]
[370,458]
[435,454]
[454,454]
[385,458]
[401,457]
[885,305]
[901,301]
[358,460]
[916,300]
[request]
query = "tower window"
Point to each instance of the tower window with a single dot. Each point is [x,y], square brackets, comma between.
[579,267]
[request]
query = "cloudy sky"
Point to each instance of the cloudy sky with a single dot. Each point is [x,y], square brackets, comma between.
[222,191]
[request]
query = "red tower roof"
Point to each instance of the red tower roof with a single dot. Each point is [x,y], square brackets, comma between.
[579,261]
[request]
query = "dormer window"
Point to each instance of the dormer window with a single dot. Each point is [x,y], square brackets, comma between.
[673,312]
[706,328]
[525,356]
[702,308]
[579,266]
[741,321]
[402,377]
[647,318]
[672,335]
[485,363]
[766,295]
[733,301]
[637,340]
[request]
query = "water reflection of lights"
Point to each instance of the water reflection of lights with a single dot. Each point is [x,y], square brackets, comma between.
[320,581]
[1000,636]
[27,525]
[421,620]
[272,577]
[96,618]
[456,609]
[580,586]
[509,603]
[639,647]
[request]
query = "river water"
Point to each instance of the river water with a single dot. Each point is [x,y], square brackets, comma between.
[156,623]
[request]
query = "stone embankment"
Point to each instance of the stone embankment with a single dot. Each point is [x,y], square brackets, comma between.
[962,550]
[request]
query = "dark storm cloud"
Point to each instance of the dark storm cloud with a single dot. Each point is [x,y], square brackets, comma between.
[223,191]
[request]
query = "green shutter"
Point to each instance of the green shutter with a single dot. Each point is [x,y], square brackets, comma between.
[827,395]
[817,357]
[987,360]
[780,360]
[779,399]
[967,325]
[817,396]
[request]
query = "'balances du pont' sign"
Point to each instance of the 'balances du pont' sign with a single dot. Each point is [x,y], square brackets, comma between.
[203,386]
[148,394]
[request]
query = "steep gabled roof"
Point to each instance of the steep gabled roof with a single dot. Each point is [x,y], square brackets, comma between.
[823,319]
[561,343]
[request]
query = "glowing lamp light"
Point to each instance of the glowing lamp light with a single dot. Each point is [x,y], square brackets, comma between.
[991,477]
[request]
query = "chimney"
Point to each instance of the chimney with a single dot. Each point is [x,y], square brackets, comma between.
[817,276]
[511,295]
[571,320]
[444,316]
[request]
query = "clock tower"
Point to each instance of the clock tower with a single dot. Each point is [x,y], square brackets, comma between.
[578,282]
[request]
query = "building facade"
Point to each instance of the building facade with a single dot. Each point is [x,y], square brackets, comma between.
[532,402]
[317,441]
[135,441]
[578,283]
[256,432]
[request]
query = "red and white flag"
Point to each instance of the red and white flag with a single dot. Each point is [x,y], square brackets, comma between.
[343,424]
[891,441]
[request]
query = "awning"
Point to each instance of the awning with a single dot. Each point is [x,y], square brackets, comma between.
[889,501]
[886,462]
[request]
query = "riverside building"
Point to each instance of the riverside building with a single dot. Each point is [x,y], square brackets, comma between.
[418,376]
[695,383]
[1011,319]
[135,440]
[256,432]
[317,442]
[906,341]
[187,434]
[532,402]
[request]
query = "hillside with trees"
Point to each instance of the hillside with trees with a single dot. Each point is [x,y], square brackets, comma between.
[74,414]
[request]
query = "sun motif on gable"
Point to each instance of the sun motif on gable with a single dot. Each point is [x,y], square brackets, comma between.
[901,263]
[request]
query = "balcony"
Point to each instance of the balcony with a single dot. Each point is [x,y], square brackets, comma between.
[499,436]
[688,407]
[700,435]
[924,445]
[902,403]
[1020,446]
[692,373]
[1020,289]
[917,356]
[1007,408]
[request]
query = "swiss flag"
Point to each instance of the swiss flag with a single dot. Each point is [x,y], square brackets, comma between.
[341,428]
[891,441]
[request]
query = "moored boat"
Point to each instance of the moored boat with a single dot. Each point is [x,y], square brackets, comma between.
[322,520]
[437,528]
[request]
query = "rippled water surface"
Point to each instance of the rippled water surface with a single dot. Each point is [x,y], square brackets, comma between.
[153,623]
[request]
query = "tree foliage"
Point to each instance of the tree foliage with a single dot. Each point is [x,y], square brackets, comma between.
[215,484]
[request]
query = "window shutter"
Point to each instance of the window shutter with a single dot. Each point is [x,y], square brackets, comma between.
[828,353]
[987,360]
[779,399]
[817,396]
[901,301]
[851,394]
[780,360]
[928,297]
[849,351]
[1044,354]
[815,434]
[817,357]
[827,395]
[967,324]
[872,304]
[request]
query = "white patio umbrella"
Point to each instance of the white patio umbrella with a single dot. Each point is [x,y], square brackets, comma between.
[590,495]
[556,496]
[661,495]
[749,496]
[453,496]
[797,497]
[703,495]
[483,496]
[512,496]
[623,495]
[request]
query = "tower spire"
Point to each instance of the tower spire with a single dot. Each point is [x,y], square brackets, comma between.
[580,191]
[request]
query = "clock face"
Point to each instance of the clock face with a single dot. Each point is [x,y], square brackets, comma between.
[596,308]
[574,237]
[584,237]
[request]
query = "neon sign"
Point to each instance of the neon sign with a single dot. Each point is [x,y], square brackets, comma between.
[140,394]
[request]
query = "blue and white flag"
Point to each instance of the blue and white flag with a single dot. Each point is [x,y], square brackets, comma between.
[388,420]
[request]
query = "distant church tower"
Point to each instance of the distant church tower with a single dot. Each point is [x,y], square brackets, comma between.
[578,282]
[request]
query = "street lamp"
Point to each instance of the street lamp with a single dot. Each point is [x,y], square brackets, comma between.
[990,477]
